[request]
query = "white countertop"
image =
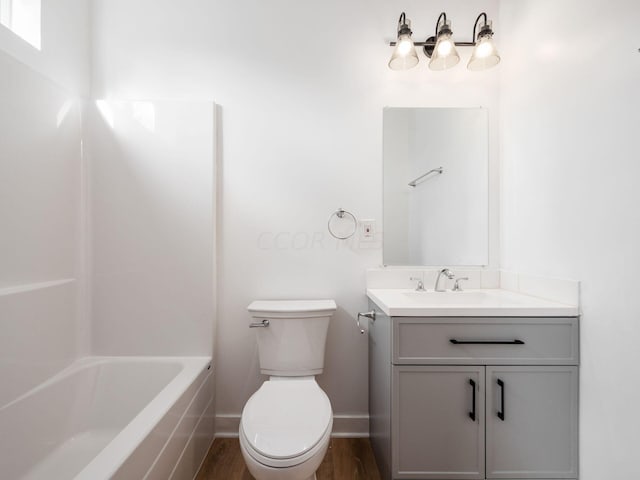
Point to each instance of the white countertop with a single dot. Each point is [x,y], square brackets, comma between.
[468,303]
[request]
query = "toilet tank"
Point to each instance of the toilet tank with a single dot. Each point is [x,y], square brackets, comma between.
[293,344]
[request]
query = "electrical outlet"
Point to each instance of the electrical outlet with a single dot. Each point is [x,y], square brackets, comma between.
[368,228]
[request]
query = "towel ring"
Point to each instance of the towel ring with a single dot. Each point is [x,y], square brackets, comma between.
[340,213]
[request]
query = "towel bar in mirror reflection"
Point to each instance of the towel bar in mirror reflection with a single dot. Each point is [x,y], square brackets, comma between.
[415,182]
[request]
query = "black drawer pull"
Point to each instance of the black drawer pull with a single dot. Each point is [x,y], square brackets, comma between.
[486,342]
[472,413]
[501,411]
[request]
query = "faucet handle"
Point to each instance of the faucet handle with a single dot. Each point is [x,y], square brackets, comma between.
[456,285]
[420,285]
[447,273]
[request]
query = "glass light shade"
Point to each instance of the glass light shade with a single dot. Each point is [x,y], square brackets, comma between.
[485,55]
[444,53]
[404,55]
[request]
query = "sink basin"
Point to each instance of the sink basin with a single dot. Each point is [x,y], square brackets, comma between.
[481,303]
[447,298]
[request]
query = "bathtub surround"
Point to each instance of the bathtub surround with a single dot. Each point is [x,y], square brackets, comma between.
[41,272]
[120,264]
[40,208]
[151,202]
[156,177]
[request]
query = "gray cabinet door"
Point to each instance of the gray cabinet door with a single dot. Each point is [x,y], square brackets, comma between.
[433,434]
[532,422]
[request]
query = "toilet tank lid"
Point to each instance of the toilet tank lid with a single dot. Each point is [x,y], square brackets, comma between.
[292,306]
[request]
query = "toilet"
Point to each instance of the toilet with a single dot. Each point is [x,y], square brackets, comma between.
[286,424]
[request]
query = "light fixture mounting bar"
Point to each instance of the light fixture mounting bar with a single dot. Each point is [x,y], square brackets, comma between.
[433,44]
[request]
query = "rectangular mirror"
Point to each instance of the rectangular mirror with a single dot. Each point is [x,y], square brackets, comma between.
[436,186]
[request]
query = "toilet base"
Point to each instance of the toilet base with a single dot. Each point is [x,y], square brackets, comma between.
[262,472]
[302,471]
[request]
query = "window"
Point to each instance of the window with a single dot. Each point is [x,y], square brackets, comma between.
[22,17]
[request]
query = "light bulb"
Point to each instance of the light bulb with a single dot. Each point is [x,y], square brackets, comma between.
[445,47]
[404,46]
[445,55]
[485,54]
[484,49]
[404,55]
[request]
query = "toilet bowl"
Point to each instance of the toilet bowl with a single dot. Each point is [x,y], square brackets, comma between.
[285,429]
[286,425]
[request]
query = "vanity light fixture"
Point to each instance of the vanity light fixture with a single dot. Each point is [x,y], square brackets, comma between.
[441,48]
[444,55]
[404,55]
[485,54]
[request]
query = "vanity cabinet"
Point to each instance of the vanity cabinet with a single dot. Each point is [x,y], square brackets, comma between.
[474,398]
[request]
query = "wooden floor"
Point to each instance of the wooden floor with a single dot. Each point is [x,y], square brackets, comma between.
[346,459]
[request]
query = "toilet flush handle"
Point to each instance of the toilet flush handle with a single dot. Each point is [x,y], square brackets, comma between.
[371,315]
[262,324]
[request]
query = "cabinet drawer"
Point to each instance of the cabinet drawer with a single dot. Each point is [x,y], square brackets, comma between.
[485,341]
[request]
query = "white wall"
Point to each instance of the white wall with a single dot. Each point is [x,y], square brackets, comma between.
[569,135]
[65,50]
[151,191]
[302,86]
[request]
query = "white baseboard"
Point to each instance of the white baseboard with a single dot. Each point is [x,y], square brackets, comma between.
[227,425]
[351,426]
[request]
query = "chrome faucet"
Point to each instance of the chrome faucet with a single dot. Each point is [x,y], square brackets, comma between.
[446,272]
[420,285]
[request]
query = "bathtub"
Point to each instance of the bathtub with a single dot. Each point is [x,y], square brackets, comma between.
[127,418]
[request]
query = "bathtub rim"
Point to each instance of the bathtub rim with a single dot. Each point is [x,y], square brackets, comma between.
[107,462]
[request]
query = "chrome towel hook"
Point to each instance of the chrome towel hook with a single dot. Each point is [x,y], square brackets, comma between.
[370,315]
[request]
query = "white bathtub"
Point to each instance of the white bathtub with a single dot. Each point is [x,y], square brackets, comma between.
[111,417]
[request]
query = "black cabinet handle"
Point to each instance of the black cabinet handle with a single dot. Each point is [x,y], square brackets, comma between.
[472,413]
[501,411]
[486,342]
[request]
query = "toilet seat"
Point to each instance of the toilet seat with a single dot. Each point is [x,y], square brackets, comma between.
[285,420]
[315,454]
